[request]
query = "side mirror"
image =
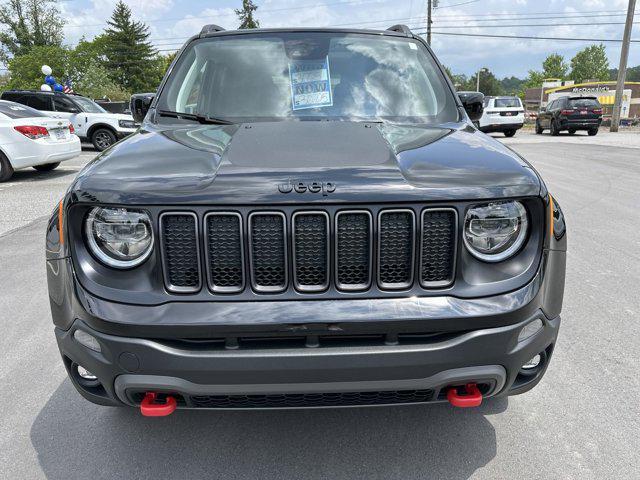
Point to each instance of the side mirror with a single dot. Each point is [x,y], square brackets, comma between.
[139,105]
[473,104]
[74,110]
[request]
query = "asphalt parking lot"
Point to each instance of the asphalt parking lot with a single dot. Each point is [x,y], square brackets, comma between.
[581,422]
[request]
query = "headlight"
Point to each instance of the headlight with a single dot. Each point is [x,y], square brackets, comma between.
[495,231]
[119,237]
[127,124]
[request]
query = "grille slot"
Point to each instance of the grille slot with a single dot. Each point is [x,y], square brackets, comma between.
[438,247]
[224,252]
[353,250]
[292,400]
[179,233]
[310,251]
[268,251]
[396,239]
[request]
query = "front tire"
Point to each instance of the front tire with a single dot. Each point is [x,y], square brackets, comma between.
[509,133]
[554,129]
[47,167]
[6,170]
[571,131]
[102,139]
[593,132]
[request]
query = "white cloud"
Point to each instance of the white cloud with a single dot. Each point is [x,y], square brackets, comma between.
[171,22]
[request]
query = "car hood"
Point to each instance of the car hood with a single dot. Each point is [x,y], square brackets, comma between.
[259,163]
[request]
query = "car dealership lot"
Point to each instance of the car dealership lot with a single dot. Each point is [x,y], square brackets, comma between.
[580,422]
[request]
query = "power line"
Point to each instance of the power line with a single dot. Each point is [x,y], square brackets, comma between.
[526,37]
[455,4]
[532,13]
[534,25]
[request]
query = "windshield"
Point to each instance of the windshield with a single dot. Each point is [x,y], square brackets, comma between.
[507,102]
[309,76]
[88,106]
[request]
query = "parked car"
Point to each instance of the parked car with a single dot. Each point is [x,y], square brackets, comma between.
[502,114]
[312,223]
[570,114]
[91,122]
[30,139]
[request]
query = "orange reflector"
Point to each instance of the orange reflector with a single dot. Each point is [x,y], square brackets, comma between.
[60,219]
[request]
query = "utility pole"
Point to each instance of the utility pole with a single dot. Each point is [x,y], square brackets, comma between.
[429,5]
[622,69]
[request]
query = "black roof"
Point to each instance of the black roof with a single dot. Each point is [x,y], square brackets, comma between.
[23,90]
[396,30]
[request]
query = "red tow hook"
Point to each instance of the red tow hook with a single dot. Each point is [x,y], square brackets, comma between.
[471,398]
[149,407]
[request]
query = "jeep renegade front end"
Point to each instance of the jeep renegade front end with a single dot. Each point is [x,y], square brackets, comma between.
[307,218]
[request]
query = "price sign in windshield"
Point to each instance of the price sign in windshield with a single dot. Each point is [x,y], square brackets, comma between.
[310,84]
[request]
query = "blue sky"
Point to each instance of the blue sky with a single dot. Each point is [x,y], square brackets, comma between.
[172,21]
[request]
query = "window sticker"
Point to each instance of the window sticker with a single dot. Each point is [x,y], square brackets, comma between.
[310,84]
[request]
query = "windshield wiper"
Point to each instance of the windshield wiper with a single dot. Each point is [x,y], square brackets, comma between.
[196,117]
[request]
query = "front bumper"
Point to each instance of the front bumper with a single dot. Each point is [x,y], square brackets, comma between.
[225,378]
[468,340]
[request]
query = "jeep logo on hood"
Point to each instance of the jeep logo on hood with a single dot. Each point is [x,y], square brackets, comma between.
[312,187]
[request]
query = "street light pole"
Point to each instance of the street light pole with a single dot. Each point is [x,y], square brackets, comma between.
[622,69]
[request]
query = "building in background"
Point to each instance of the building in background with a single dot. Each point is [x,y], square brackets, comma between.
[604,91]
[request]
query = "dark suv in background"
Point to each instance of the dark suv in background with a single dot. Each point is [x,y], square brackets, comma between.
[570,114]
[306,218]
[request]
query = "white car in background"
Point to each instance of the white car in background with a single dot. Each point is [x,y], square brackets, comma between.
[28,138]
[502,114]
[91,122]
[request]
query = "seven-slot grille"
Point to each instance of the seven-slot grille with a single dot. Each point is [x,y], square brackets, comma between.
[398,248]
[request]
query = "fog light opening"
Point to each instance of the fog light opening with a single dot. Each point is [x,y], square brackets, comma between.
[532,363]
[87,340]
[86,374]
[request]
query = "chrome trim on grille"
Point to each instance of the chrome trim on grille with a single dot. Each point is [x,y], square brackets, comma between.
[445,283]
[353,287]
[297,285]
[205,231]
[165,270]
[254,285]
[409,283]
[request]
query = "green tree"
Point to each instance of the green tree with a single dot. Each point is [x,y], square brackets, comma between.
[28,23]
[512,85]
[554,66]
[590,64]
[245,15]
[80,65]
[489,84]
[168,60]
[130,58]
[25,68]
